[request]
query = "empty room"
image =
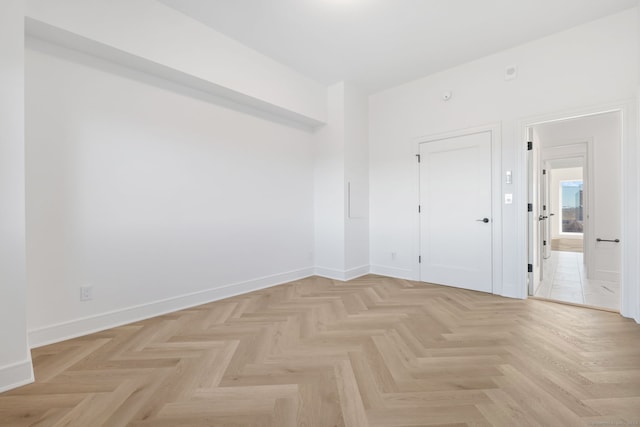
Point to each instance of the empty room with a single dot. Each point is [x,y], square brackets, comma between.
[319,213]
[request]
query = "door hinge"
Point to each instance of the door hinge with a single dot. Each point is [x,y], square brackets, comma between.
[418,156]
[544,243]
[419,208]
[529,145]
[529,207]
[544,171]
[529,268]
[419,259]
[544,207]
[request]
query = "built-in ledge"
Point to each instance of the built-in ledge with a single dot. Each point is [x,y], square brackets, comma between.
[248,104]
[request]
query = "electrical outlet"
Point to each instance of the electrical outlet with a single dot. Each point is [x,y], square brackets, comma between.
[86,293]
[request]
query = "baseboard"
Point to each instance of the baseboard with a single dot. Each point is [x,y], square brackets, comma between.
[630,310]
[329,273]
[354,273]
[16,375]
[342,275]
[606,276]
[398,273]
[90,324]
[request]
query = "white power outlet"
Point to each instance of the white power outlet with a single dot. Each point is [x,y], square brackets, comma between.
[86,293]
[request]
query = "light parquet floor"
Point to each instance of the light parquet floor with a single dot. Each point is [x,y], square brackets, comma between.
[374,351]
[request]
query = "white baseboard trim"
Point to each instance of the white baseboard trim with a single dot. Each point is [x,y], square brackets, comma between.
[354,273]
[342,275]
[329,273]
[606,276]
[16,375]
[398,273]
[99,322]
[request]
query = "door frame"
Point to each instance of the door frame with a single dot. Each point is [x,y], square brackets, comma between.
[495,131]
[630,232]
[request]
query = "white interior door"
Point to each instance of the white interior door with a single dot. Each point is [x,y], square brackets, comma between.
[546,212]
[455,216]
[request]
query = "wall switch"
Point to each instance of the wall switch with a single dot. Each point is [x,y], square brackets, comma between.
[508,177]
[86,293]
[508,198]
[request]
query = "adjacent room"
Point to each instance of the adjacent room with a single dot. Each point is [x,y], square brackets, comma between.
[319,213]
[579,205]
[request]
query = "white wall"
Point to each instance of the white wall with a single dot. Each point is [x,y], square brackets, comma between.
[329,187]
[155,197]
[15,360]
[341,186]
[152,31]
[555,204]
[357,178]
[588,65]
[632,199]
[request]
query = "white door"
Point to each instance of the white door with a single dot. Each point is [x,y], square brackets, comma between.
[546,213]
[455,212]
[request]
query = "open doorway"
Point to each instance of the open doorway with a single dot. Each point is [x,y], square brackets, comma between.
[566,187]
[575,225]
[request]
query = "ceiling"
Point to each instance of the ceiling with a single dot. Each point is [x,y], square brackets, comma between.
[378,44]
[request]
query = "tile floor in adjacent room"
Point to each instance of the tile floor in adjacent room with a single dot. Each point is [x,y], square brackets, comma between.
[565,280]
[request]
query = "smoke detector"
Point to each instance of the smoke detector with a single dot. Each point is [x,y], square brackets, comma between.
[511,72]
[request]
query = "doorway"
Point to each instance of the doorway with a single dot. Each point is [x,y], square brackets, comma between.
[575,223]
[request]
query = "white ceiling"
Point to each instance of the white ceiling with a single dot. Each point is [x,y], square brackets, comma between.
[381,43]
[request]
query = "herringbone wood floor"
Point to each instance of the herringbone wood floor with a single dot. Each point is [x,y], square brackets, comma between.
[374,351]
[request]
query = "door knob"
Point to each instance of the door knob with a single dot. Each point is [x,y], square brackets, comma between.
[485,220]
